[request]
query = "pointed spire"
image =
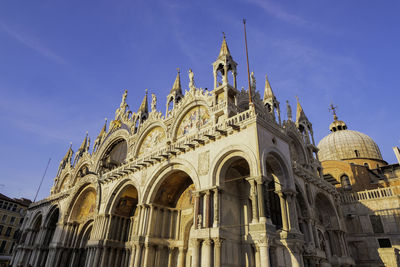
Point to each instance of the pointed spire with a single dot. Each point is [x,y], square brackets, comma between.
[268,93]
[300,115]
[68,155]
[177,88]
[224,48]
[104,129]
[144,106]
[83,146]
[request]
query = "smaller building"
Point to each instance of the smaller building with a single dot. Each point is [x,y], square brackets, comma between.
[12,212]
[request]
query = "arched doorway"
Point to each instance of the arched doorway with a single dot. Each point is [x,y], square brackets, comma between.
[50,228]
[170,218]
[123,217]
[237,213]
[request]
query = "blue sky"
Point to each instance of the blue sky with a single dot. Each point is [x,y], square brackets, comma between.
[64,65]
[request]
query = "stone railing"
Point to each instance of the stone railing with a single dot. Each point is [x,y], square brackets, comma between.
[371,194]
[182,144]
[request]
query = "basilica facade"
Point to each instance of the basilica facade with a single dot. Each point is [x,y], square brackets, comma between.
[219,180]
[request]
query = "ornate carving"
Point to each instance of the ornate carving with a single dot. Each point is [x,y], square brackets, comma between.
[204,162]
[153,102]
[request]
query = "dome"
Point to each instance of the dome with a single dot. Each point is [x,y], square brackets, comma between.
[343,144]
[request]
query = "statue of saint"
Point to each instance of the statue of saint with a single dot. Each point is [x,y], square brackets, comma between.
[153,102]
[288,110]
[191,79]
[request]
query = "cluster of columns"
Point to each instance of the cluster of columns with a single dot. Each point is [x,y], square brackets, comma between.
[168,221]
[202,254]
[206,208]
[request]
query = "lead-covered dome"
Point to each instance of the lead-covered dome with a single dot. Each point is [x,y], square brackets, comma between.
[343,144]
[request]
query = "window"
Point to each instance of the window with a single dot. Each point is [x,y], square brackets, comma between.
[357,153]
[1,229]
[16,234]
[4,205]
[14,208]
[3,246]
[376,223]
[384,243]
[366,165]
[21,220]
[12,220]
[8,231]
[4,218]
[345,181]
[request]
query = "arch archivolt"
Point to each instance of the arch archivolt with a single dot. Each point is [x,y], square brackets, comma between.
[33,219]
[183,111]
[108,142]
[229,153]
[117,190]
[298,146]
[285,178]
[158,176]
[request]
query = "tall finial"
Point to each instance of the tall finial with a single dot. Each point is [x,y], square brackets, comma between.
[223,33]
[333,108]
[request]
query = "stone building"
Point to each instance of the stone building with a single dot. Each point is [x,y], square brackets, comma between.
[219,180]
[12,212]
[370,194]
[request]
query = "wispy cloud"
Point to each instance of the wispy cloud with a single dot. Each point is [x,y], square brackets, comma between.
[31,42]
[279,12]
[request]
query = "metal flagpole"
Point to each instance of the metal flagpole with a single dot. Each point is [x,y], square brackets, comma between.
[247,57]
[40,185]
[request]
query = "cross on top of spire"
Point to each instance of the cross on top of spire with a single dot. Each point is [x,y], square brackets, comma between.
[333,108]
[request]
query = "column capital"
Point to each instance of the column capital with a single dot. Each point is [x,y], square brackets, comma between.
[263,240]
[218,241]
[207,242]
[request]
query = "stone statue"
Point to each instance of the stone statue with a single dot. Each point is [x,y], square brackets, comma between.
[123,101]
[153,102]
[288,110]
[191,79]
[199,221]
[253,80]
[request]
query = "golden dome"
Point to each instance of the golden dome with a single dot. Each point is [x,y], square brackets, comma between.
[343,144]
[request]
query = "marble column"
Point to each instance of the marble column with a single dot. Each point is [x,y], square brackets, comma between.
[181,257]
[217,252]
[206,218]
[196,209]
[292,211]
[138,255]
[206,253]
[195,253]
[264,252]
[254,205]
[260,195]
[170,256]
[284,211]
[216,208]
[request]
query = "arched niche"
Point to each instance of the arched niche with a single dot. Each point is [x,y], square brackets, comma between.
[126,202]
[297,153]
[153,139]
[276,171]
[84,206]
[114,156]
[174,189]
[193,120]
